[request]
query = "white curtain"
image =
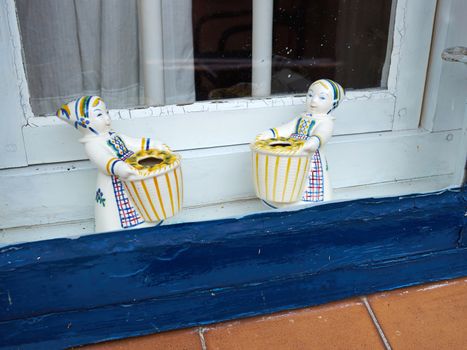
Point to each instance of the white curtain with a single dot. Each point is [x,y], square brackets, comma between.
[179,82]
[91,47]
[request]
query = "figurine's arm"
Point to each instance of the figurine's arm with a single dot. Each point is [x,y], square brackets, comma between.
[106,163]
[285,130]
[320,136]
[144,143]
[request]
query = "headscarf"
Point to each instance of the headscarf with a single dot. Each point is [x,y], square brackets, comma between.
[337,90]
[76,113]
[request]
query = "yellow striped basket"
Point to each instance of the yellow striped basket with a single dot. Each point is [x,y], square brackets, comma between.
[158,194]
[280,169]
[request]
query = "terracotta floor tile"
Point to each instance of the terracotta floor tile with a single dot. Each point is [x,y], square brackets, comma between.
[343,325]
[432,316]
[185,339]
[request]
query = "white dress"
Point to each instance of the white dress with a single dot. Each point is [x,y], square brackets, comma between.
[113,209]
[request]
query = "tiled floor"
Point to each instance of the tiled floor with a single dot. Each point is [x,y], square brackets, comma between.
[432,316]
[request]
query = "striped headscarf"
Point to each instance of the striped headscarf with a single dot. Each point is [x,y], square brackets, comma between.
[76,113]
[337,90]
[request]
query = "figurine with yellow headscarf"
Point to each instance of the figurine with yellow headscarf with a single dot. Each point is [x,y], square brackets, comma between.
[289,161]
[119,203]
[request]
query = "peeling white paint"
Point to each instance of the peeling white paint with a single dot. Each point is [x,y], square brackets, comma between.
[15,40]
[436,286]
[213,106]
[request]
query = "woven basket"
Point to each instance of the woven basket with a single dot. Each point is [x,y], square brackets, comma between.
[158,193]
[280,169]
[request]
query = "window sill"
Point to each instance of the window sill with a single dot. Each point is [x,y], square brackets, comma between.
[369,165]
[74,229]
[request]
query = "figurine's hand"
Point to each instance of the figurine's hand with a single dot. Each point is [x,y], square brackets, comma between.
[310,147]
[263,136]
[162,147]
[125,172]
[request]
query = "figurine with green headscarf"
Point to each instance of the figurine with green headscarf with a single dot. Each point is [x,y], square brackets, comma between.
[315,127]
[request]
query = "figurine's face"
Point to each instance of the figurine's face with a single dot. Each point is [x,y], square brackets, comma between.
[319,99]
[99,119]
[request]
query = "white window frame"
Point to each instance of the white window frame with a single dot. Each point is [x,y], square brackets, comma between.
[213,136]
[396,107]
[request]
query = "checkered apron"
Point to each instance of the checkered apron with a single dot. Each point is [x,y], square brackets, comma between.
[129,217]
[314,190]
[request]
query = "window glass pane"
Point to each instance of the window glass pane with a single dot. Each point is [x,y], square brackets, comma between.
[76,48]
[339,39]
[222,45]
[345,40]
[82,47]
[94,47]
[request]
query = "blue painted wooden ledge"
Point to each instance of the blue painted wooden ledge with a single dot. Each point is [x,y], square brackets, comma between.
[60,293]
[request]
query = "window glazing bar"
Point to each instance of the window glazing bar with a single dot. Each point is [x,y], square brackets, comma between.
[262,47]
[152,51]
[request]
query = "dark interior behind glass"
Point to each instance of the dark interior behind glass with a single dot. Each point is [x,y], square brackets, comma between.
[339,39]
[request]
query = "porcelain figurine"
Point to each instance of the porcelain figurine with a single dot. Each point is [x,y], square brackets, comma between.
[115,155]
[314,128]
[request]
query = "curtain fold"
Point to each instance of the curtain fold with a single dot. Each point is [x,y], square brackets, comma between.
[91,47]
[178,51]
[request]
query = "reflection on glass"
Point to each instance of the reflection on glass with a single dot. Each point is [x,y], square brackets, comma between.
[222,48]
[343,40]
